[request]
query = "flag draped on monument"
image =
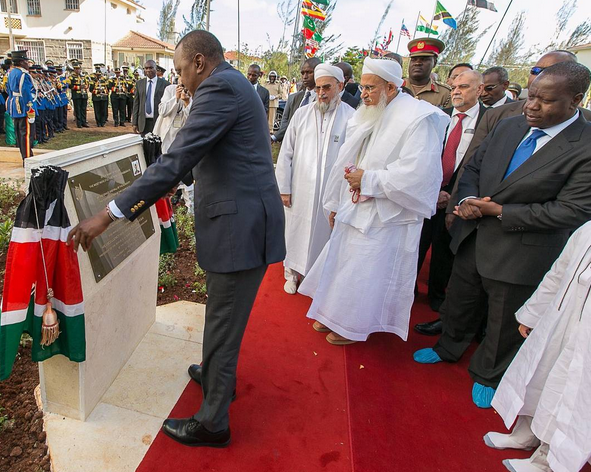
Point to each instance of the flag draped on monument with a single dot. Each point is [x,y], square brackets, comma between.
[169,238]
[42,273]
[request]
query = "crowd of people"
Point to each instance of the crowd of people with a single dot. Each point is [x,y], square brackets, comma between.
[371,176]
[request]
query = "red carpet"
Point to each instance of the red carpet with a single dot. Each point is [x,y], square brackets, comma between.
[304,405]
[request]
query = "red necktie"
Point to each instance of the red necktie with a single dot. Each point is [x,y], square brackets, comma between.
[451,148]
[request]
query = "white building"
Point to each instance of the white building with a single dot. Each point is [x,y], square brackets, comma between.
[62,30]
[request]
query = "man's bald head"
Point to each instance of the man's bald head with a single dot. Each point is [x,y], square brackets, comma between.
[347,70]
[201,42]
[551,58]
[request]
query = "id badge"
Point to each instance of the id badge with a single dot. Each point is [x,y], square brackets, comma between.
[177,123]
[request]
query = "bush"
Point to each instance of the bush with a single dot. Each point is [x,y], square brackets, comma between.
[9,197]
[199,272]
[185,225]
[5,233]
[200,288]
[165,277]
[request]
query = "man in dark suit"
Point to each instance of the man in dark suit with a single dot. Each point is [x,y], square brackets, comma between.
[486,125]
[466,113]
[496,83]
[298,99]
[240,220]
[253,75]
[352,100]
[521,195]
[148,93]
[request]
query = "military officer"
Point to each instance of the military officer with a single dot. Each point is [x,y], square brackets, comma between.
[423,58]
[118,88]
[160,72]
[78,86]
[99,87]
[275,94]
[20,102]
[130,93]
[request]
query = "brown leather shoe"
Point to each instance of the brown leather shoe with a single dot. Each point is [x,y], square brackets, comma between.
[338,340]
[320,327]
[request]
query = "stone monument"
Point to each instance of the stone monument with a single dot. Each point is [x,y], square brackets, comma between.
[119,273]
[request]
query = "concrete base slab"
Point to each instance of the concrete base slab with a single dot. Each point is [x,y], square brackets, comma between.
[118,433]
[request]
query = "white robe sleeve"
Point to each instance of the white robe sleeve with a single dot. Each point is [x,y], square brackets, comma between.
[283,171]
[532,311]
[169,103]
[412,181]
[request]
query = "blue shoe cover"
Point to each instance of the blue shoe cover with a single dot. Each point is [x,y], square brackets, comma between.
[426,356]
[482,396]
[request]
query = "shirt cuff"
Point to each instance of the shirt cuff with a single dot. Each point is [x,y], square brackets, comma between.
[466,198]
[273,138]
[115,210]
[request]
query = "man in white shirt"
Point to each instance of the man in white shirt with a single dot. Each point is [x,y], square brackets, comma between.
[148,94]
[465,116]
[496,83]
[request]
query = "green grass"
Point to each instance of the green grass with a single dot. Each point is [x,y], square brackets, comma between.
[76,138]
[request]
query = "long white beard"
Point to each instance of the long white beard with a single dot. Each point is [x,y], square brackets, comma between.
[370,114]
[330,106]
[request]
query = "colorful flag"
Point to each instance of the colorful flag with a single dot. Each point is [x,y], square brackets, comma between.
[404,31]
[424,26]
[321,2]
[38,260]
[169,238]
[309,23]
[442,14]
[311,48]
[482,4]
[308,34]
[313,11]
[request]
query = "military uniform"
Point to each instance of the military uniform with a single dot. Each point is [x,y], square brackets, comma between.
[276,91]
[20,104]
[118,88]
[130,95]
[2,98]
[99,88]
[62,87]
[40,130]
[434,92]
[78,86]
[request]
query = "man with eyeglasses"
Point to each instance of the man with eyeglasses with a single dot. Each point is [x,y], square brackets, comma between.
[308,153]
[496,83]
[385,182]
[486,125]
[423,54]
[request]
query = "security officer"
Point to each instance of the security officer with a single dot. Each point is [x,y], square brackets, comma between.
[118,89]
[20,102]
[99,87]
[423,58]
[78,86]
[160,72]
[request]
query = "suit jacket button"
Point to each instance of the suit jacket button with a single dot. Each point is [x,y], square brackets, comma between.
[132,210]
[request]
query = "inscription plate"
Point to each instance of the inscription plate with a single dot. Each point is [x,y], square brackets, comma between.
[91,192]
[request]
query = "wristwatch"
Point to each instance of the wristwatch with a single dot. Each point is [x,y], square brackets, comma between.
[500,217]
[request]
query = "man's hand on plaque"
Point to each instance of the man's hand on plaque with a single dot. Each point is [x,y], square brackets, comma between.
[84,232]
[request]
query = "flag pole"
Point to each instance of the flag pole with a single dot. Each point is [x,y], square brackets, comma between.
[493,36]
[238,34]
[431,24]
[399,34]
[416,24]
[296,23]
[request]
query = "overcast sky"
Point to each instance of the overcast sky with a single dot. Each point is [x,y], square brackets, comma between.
[357,20]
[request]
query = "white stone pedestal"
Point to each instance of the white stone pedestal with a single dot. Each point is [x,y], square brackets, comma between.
[118,310]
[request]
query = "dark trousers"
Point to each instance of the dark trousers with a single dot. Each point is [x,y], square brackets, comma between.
[23,134]
[2,111]
[229,301]
[435,235]
[80,105]
[50,117]
[118,104]
[64,111]
[129,107]
[149,126]
[101,111]
[40,129]
[462,314]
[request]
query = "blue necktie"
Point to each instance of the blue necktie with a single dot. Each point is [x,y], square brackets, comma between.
[306,98]
[148,101]
[524,151]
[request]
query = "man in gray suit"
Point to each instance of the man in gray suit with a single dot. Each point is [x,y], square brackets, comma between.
[298,99]
[238,214]
[148,94]
[521,195]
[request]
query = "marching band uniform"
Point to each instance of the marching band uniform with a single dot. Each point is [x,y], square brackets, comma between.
[20,100]
[78,86]
[118,88]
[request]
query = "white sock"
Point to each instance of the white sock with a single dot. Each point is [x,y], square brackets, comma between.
[520,438]
[538,462]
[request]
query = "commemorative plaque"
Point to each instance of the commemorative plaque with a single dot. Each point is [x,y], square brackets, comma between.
[91,192]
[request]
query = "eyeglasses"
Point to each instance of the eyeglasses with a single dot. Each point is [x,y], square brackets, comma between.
[324,88]
[490,88]
[367,88]
[536,70]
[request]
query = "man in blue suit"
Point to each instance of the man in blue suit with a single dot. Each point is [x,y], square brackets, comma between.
[238,216]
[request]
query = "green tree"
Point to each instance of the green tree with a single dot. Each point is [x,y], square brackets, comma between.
[509,50]
[565,38]
[166,22]
[354,57]
[197,17]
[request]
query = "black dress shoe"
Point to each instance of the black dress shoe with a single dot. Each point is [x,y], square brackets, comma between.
[432,328]
[195,374]
[85,125]
[190,432]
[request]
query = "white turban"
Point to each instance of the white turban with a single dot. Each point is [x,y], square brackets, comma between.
[326,70]
[389,70]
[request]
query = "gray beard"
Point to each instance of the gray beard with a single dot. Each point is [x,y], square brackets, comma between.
[330,106]
[372,113]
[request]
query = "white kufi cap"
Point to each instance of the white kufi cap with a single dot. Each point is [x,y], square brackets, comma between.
[326,70]
[387,69]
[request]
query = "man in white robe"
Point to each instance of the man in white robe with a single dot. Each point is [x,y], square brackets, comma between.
[308,153]
[546,387]
[363,282]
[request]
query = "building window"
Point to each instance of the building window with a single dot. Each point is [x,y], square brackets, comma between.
[36,50]
[129,11]
[34,7]
[13,6]
[75,51]
[72,5]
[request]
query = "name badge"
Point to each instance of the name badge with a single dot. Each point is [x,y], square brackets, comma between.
[177,123]
[336,139]
[469,131]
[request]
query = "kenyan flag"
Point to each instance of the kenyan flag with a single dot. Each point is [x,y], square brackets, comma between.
[25,290]
[169,239]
